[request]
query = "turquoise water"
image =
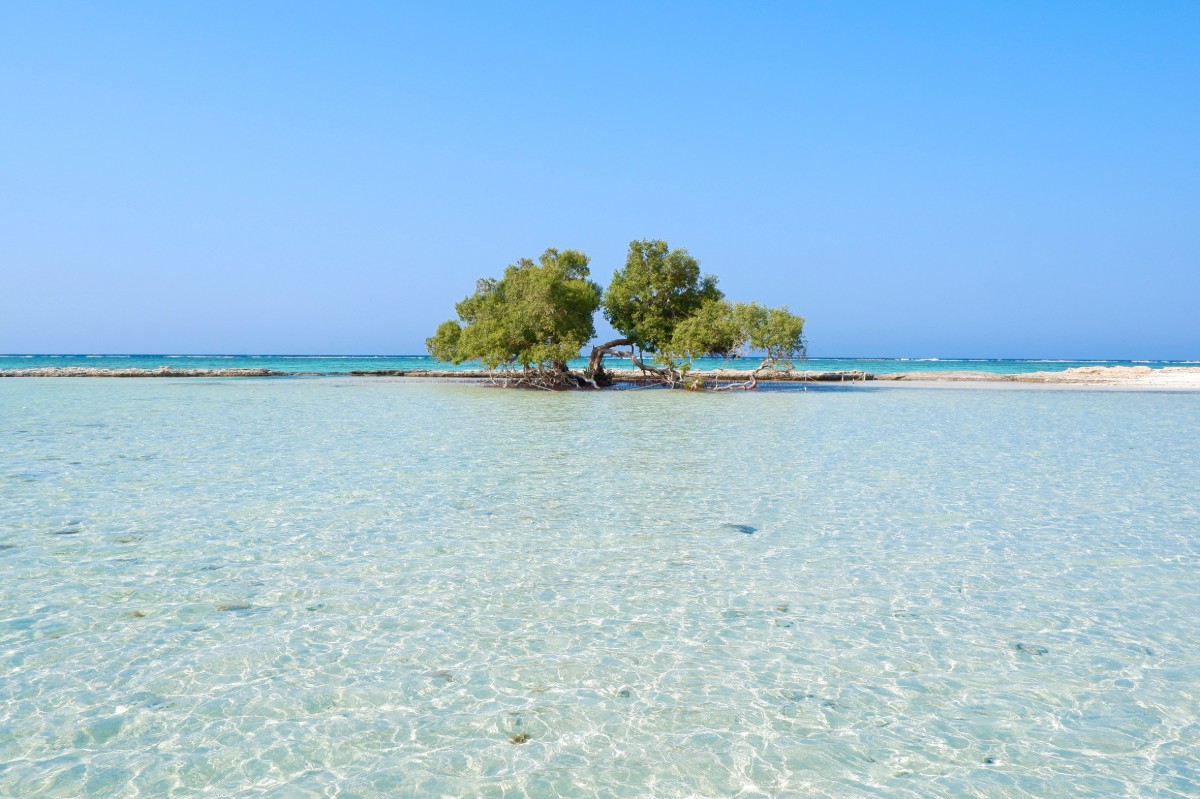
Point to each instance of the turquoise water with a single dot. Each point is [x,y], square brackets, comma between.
[374,588]
[343,364]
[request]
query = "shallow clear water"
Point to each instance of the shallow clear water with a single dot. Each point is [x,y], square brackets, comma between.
[318,587]
[344,364]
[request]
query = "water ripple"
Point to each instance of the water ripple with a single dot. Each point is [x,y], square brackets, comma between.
[380,588]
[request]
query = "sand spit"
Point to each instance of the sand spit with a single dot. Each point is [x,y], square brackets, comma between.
[1133,376]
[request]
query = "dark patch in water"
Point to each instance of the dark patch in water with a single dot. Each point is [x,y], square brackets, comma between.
[744,529]
[441,675]
[209,568]
[67,531]
[318,606]
[232,606]
[145,699]
[149,700]
[136,614]
[785,623]
[784,608]
[128,539]
[989,761]
[519,737]
[7,546]
[1032,649]
[796,696]
[624,693]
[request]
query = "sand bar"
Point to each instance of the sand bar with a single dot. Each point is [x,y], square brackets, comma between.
[1180,377]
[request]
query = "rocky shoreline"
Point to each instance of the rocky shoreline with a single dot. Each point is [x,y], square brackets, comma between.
[635,376]
[1171,376]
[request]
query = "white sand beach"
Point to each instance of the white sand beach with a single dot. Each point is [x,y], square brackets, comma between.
[1178,377]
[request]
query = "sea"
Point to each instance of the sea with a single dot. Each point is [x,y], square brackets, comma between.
[383,587]
[344,364]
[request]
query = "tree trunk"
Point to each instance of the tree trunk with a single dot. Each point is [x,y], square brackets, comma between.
[595,368]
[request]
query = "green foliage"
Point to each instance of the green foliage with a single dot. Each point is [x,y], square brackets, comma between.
[775,332]
[656,291]
[724,329]
[443,345]
[712,330]
[538,315]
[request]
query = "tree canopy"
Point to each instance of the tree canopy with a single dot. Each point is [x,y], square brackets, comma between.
[657,289]
[735,330]
[538,316]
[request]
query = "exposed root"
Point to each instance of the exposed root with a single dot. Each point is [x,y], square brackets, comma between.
[750,384]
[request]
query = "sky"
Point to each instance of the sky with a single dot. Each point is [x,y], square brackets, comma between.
[925,179]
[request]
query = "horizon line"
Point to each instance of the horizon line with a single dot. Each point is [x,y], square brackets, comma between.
[926,358]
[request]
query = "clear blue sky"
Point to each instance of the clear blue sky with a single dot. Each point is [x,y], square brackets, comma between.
[917,179]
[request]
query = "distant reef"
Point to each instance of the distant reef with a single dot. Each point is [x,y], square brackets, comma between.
[162,371]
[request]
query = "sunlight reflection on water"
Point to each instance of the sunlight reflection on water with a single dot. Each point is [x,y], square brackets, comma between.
[245,588]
